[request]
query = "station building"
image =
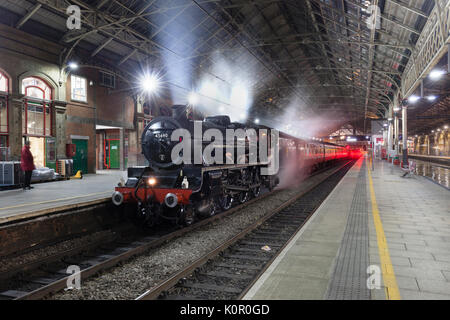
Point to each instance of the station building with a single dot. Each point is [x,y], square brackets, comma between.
[64,111]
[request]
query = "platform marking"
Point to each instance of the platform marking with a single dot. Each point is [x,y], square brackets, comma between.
[390,282]
[56,200]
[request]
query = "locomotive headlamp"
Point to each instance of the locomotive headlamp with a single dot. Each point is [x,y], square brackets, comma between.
[117,198]
[171,200]
[151,181]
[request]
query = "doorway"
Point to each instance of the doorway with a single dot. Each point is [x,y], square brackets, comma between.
[80,160]
[112,154]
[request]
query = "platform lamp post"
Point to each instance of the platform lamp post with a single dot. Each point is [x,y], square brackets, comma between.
[405,133]
[396,128]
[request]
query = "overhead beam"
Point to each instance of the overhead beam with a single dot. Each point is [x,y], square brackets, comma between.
[27,17]
[409,8]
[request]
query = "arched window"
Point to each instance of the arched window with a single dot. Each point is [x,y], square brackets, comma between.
[4,83]
[4,127]
[37,111]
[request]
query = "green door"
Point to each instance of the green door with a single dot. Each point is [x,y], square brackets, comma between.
[80,161]
[114,154]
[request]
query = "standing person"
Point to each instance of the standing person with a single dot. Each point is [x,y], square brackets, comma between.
[27,164]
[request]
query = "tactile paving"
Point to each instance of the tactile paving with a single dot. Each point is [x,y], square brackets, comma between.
[349,278]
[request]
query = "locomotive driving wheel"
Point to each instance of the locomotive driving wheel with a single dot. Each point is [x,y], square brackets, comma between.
[212,208]
[256,191]
[225,202]
[244,196]
[189,216]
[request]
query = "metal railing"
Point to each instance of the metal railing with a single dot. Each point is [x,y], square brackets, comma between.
[430,47]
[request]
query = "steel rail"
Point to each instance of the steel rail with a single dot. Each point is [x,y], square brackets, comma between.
[154,243]
[167,284]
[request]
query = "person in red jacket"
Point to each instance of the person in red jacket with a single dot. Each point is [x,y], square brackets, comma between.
[27,164]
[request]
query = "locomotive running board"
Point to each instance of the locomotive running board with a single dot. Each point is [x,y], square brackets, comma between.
[238,188]
[233,166]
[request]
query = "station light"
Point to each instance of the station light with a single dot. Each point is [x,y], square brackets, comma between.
[431,98]
[150,83]
[389,119]
[413,99]
[257,121]
[396,109]
[73,65]
[436,74]
[445,127]
[193,98]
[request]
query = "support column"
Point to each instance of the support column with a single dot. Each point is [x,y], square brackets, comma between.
[122,151]
[397,134]
[448,57]
[100,152]
[60,129]
[389,142]
[405,135]
[15,126]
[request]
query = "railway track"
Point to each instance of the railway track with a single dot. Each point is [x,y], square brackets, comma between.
[50,276]
[229,271]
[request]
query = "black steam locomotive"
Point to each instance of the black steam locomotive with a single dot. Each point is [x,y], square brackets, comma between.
[188,178]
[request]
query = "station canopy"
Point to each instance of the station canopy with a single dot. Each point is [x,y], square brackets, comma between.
[323,59]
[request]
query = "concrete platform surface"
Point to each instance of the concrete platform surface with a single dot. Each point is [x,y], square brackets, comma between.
[377,236]
[52,196]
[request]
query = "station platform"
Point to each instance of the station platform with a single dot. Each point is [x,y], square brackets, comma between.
[52,197]
[377,236]
[443,160]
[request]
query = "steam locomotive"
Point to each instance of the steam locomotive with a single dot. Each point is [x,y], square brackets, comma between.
[188,178]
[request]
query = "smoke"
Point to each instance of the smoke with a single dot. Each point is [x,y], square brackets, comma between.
[226,89]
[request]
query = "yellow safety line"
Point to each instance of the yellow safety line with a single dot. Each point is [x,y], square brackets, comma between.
[390,282]
[50,201]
